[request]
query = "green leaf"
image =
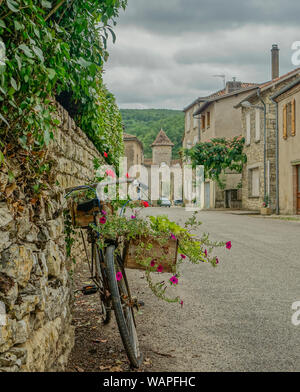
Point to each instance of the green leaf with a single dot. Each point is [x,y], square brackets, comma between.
[2,23]
[83,62]
[39,53]
[12,5]
[26,50]
[3,119]
[1,157]
[47,137]
[18,26]
[46,4]
[51,73]
[13,83]
[18,61]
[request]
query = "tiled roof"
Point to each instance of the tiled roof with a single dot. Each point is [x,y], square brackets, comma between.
[221,93]
[276,80]
[128,136]
[162,140]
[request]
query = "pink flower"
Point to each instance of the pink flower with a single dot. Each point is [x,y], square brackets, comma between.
[159,268]
[217,260]
[181,303]
[228,245]
[133,216]
[102,220]
[152,263]
[110,173]
[103,212]
[205,252]
[174,280]
[173,236]
[119,276]
[183,256]
[105,154]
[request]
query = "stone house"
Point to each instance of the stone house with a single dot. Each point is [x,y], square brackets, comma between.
[260,174]
[288,128]
[133,149]
[214,116]
[162,165]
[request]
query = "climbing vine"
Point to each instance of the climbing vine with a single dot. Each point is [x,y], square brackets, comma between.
[217,155]
[55,49]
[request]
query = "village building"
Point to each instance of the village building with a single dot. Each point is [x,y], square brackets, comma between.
[288,128]
[210,117]
[133,149]
[260,182]
[161,171]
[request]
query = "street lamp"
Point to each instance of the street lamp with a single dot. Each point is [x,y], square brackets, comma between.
[248,105]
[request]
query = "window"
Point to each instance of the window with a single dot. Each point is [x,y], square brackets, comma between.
[248,129]
[254,182]
[257,125]
[208,119]
[289,119]
[203,122]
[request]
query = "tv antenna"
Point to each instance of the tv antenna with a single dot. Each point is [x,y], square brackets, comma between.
[223,77]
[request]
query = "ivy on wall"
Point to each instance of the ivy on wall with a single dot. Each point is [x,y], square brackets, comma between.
[55,49]
[217,155]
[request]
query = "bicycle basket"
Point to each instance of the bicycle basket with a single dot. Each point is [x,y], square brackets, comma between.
[165,255]
[83,213]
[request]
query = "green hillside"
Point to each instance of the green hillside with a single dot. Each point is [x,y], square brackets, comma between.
[146,123]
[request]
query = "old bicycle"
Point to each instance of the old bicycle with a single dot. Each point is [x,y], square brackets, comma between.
[104,265]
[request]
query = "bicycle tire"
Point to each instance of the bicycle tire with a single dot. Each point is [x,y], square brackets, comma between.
[124,314]
[101,279]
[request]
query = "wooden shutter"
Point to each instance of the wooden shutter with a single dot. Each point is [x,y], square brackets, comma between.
[293,117]
[285,121]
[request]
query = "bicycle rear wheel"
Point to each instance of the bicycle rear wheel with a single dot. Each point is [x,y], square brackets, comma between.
[123,307]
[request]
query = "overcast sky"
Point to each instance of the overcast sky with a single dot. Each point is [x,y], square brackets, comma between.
[167,51]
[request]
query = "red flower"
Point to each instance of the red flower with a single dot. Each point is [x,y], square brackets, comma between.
[174,280]
[181,303]
[152,263]
[228,245]
[183,256]
[145,204]
[127,175]
[159,268]
[110,173]
[217,260]
[105,154]
[102,220]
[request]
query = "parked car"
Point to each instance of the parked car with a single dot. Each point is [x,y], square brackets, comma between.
[164,202]
[178,202]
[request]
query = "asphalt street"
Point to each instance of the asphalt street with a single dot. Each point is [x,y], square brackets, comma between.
[236,317]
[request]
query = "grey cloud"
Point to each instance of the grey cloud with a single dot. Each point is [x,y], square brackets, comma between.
[127,56]
[179,16]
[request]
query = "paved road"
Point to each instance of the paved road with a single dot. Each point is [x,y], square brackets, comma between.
[236,317]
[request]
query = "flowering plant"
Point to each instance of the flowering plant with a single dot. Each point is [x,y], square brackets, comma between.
[125,229]
[266,202]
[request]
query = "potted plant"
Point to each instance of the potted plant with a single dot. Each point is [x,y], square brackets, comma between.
[265,208]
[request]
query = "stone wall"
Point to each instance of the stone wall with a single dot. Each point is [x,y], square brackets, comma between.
[255,151]
[35,284]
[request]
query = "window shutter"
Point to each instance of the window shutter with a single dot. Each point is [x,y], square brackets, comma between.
[293,117]
[285,121]
[248,129]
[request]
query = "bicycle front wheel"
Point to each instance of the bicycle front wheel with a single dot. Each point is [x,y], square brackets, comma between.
[123,306]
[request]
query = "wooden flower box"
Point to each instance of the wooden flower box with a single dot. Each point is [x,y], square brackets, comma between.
[84,213]
[163,254]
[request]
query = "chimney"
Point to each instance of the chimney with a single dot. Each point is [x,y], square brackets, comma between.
[275,61]
[233,85]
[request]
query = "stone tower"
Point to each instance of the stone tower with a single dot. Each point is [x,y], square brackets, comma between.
[162,149]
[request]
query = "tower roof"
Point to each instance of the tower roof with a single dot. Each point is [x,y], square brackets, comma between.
[162,140]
